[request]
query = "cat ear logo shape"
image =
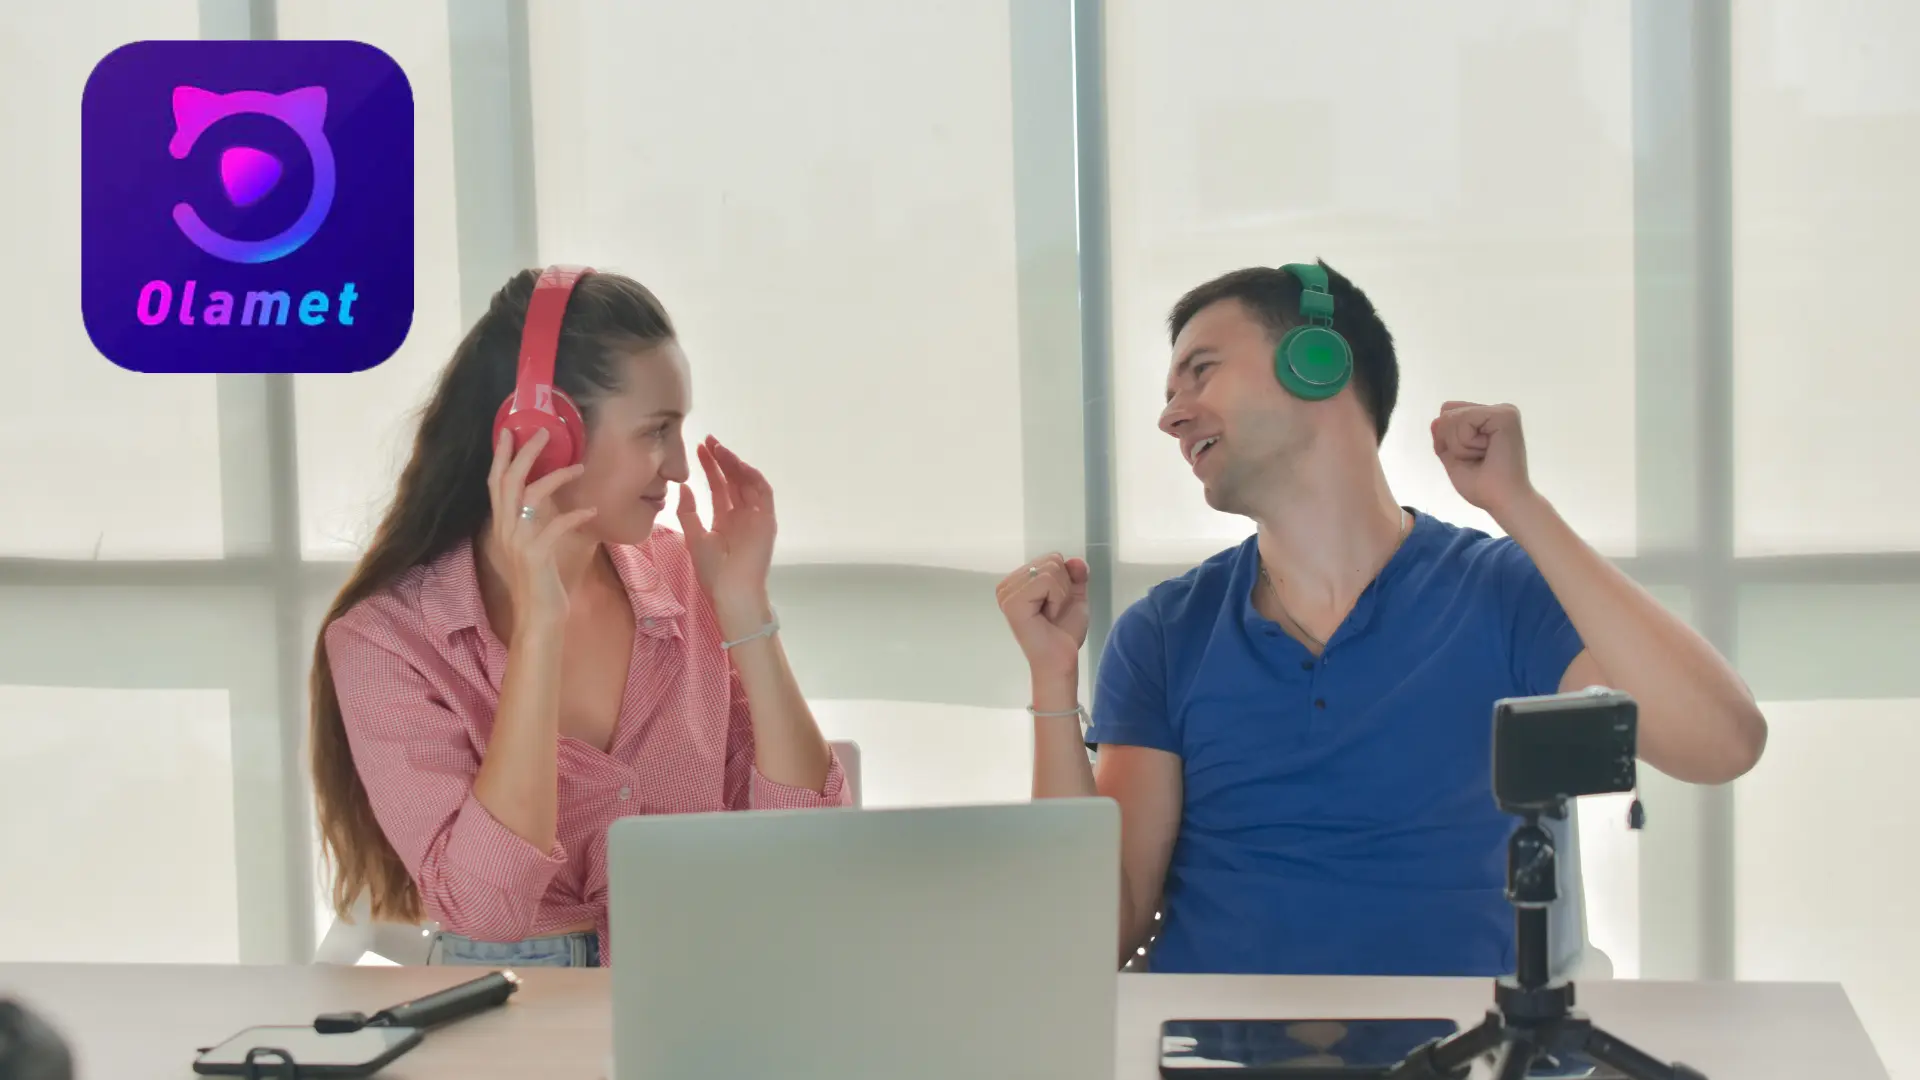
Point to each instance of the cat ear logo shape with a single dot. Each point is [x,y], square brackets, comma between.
[248,174]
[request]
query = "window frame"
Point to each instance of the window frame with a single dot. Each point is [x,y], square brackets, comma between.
[1684,442]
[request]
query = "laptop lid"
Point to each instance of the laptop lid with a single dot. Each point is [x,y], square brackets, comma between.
[939,943]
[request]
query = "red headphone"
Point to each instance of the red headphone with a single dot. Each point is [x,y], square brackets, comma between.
[536,403]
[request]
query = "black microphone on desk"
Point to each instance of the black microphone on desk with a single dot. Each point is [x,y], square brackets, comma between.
[444,1006]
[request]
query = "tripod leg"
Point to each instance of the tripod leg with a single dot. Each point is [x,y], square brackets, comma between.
[1632,1062]
[1452,1056]
[1516,1057]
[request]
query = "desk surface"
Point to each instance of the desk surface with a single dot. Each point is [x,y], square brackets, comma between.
[135,1021]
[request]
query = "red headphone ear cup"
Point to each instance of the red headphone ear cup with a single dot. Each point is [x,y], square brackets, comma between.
[576,428]
[566,433]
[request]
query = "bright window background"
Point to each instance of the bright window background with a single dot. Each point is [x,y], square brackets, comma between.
[106,463]
[1468,165]
[140,773]
[822,196]
[1825,871]
[355,431]
[1825,140]
[130,855]
[1826,108]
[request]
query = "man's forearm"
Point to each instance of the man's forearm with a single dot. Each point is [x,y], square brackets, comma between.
[1698,720]
[1060,766]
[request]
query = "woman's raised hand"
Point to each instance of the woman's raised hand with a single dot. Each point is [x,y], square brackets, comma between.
[526,529]
[732,557]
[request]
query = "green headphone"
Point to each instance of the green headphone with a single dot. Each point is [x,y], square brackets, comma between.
[1313,361]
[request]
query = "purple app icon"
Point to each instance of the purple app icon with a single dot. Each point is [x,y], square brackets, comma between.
[247,206]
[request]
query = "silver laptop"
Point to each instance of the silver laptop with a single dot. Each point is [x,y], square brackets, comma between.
[947,943]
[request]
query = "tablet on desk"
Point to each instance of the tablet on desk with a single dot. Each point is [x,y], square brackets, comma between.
[1318,1049]
[1305,1049]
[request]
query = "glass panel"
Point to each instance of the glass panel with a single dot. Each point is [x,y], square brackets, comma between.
[1826,142]
[1468,165]
[920,754]
[1829,641]
[1824,877]
[107,463]
[355,430]
[141,867]
[838,255]
[167,638]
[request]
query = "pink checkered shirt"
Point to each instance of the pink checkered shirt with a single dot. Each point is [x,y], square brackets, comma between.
[418,671]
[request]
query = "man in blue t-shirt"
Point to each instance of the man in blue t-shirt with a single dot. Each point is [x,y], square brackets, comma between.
[1298,730]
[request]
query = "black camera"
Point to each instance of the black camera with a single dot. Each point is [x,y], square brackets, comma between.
[1556,747]
[1547,751]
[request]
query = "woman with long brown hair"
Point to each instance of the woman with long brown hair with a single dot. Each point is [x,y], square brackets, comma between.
[519,659]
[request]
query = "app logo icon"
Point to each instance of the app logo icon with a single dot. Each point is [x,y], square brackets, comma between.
[247,206]
[248,174]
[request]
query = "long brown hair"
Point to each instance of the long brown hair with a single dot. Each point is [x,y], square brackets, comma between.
[442,500]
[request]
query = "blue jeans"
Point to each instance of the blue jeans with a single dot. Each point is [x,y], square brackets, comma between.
[578,949]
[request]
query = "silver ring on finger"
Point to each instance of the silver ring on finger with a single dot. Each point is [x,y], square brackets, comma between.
[528,513]
[1033,571]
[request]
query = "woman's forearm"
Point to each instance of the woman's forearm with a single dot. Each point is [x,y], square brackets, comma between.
[788,746]
[518,781]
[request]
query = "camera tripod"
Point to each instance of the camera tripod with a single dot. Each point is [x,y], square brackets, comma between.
[1532,1017]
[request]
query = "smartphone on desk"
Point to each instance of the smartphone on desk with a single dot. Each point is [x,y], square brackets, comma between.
[1304,1049]
[317,1054]
[1322,1049]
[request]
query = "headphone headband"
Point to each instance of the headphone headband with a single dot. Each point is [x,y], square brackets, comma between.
[1316,303]
[540,337]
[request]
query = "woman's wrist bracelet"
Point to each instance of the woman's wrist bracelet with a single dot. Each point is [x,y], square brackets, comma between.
[772,626]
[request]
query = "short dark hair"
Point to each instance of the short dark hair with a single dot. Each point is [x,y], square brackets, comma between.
[1273,297]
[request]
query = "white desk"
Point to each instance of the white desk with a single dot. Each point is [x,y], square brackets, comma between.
[134,1022]
[1730,1031]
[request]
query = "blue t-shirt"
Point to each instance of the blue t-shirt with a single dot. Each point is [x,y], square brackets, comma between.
[1338,815]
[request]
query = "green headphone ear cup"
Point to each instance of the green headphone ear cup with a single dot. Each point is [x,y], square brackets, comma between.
[1313,362]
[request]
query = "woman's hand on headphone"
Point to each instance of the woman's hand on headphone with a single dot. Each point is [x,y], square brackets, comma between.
[732,558]
[525,546]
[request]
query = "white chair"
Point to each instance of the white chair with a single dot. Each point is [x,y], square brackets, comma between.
[401,943]
[346,942]
[1574,956]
